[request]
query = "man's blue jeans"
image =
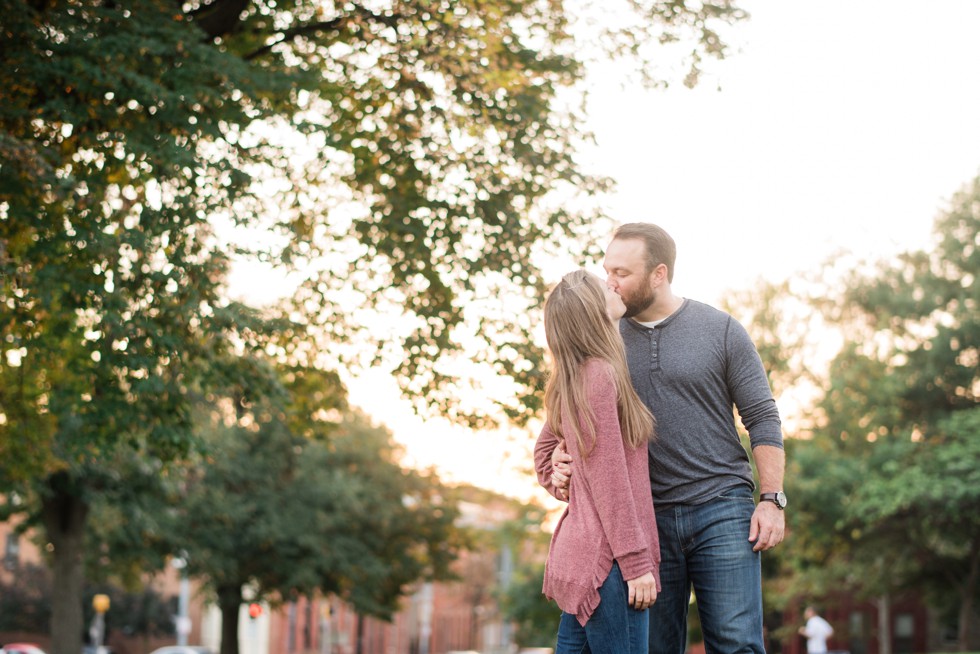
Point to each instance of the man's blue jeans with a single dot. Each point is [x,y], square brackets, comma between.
[614,627]
[707,546]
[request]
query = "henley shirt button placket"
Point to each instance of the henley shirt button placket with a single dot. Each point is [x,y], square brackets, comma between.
[654,349]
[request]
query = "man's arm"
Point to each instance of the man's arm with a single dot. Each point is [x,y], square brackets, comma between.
[549,450]
[759,414]
[561,474]
[768,521]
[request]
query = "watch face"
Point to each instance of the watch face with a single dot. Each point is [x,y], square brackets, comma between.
[781,499]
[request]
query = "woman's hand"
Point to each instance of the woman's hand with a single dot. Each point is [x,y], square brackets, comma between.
[561,470]
[642,591]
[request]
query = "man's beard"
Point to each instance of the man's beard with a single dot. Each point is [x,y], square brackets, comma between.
[639,302]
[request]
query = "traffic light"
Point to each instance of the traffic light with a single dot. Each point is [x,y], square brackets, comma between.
[254,610]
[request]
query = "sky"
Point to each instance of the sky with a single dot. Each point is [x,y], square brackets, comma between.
[835,125]
[832,126]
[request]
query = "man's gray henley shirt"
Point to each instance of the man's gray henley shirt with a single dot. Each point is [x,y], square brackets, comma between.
[691,370]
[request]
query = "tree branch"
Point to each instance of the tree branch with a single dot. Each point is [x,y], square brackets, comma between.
[334,24]
[219,17]
[297,31]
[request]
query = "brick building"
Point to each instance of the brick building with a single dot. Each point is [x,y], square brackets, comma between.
[434,619]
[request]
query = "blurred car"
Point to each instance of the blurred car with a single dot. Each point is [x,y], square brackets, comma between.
[21,648]
[182,649]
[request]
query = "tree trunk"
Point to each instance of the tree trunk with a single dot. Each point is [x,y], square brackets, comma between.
[64,513]
[966,597]
[884,624]
[230,603]
[474,625]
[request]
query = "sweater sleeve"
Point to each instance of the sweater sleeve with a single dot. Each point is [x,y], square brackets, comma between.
[543,448]
[607,476]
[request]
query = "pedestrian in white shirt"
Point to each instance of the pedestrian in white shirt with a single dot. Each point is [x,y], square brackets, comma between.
[816,632]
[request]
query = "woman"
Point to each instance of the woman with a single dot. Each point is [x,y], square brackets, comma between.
[603,564]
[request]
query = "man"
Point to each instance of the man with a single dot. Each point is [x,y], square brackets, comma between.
[690,364]
[816,632]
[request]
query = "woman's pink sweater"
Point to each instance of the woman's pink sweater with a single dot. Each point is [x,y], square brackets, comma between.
[610,509]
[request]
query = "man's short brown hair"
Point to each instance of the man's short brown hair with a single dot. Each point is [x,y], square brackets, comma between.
[658,245]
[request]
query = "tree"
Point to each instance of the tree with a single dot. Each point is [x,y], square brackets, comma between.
[271,516]
[923,316]
[109,275]
[409,153]
[926,493]
[504,540]
[534,615]
[881,478]
[780,323]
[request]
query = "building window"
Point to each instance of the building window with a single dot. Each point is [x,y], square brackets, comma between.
[904,625]
[856,624]
[904,632]
[857,636]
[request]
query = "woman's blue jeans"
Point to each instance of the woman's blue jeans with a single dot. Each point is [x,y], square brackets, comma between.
[706,546]
[614,627]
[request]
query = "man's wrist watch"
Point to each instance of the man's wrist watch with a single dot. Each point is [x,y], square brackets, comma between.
[778,498]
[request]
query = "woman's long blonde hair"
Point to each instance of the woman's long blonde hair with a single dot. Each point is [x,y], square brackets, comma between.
[577,327]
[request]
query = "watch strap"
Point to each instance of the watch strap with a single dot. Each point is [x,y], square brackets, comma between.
[772,497]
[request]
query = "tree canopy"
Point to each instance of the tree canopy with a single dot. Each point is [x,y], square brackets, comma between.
[271,515]
[417,155]
[887,487]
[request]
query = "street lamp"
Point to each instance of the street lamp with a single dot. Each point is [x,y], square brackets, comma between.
[100,603]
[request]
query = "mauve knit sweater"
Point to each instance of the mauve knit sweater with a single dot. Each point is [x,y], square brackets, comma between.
[610,508]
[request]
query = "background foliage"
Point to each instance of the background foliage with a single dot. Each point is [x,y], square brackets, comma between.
[886,484]
[418,155]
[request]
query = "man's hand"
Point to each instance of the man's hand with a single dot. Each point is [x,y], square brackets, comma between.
[768,526]
[642,591]
[561,470]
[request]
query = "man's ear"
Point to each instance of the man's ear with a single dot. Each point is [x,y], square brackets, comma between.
[659,274]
